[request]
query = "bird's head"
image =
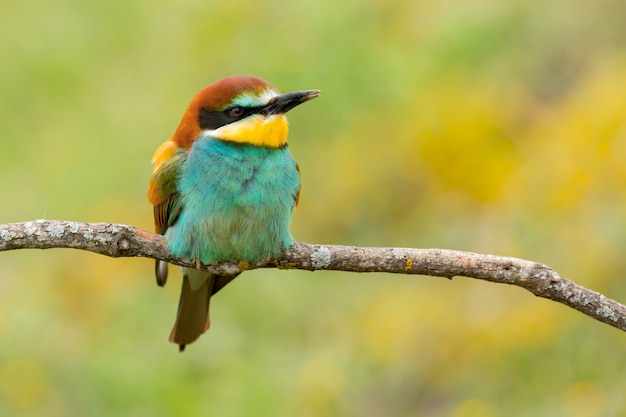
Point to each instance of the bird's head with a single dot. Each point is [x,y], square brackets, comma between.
[241,108]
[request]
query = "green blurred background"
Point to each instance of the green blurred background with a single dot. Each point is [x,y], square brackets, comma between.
[489,126]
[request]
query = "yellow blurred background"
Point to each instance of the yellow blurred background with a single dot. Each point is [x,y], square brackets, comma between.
[489,126]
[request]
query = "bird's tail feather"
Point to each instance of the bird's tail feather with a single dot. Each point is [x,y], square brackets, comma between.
[221,281]
[193,309]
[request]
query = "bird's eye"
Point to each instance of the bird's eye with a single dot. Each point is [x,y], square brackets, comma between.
[235,111]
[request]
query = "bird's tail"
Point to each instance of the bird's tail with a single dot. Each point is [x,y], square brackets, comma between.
[193,308]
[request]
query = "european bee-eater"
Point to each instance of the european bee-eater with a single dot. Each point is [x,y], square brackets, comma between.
[223,188]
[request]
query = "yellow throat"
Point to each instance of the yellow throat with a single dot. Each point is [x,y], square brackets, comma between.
[258,130]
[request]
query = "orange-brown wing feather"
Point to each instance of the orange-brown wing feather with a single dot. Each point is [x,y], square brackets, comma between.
[297,196]
[162,191]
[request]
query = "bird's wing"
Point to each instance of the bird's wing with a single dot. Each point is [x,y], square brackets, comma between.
[163,193]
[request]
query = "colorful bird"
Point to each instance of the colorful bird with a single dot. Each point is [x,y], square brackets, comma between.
[223,188]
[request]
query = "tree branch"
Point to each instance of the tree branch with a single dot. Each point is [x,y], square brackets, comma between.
[116,240]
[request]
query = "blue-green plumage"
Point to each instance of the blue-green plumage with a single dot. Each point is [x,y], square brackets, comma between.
[236,202]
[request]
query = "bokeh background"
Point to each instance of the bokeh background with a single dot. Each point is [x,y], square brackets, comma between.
[488,126]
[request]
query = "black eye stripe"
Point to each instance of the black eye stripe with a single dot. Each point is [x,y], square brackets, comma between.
[211,120]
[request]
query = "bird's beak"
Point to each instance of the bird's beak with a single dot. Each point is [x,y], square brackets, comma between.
[283,103]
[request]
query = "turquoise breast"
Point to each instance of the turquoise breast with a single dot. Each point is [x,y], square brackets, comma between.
[236,200]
